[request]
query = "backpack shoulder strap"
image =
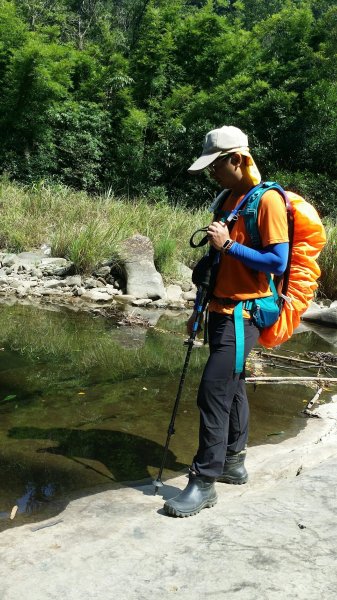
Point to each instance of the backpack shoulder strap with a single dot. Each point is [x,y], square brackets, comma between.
[250,211]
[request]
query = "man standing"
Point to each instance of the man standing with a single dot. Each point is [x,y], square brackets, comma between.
[241,277]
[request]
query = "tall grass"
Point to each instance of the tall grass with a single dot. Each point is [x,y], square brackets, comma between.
[87,230]
[328,263]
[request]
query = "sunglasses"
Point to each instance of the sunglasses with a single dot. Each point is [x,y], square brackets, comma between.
[211,168]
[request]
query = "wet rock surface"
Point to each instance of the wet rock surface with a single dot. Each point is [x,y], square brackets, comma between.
[272,538]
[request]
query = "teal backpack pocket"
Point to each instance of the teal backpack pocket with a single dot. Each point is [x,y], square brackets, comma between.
[265,311]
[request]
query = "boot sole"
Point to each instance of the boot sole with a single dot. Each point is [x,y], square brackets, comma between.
[174,512]
[233,481]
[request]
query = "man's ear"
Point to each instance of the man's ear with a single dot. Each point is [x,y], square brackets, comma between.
[236,159]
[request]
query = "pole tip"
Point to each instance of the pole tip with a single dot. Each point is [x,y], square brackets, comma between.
[157,483]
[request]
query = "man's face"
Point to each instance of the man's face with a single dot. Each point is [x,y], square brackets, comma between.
[226,170]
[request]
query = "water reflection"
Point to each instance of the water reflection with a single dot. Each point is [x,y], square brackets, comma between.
[86,403]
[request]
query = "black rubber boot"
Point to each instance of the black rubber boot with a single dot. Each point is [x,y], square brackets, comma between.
[234,470]
[200,493]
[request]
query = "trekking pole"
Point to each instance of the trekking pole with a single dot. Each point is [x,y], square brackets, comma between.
[201,305]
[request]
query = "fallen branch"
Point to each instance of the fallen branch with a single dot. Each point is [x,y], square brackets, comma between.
[291,379]
[293,359]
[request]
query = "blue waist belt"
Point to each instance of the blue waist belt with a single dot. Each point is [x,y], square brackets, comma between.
[263,311]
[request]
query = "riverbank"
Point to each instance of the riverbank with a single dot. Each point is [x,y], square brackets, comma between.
[272,538]
[36,278]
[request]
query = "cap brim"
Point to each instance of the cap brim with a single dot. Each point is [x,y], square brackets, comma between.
[203,161]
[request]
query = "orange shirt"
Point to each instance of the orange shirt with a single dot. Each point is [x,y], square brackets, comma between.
[234,279]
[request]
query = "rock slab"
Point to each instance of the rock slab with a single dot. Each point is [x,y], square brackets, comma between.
[272,539]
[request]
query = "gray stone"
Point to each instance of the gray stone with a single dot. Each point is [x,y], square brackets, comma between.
[3,281]
[174,293]
[159,303]
[189,296]
[142,278]
[9,260]
[96,295]
[22,291]
[102,271]
[111,290]
[177,305]
[55,283]
[141,302]
[183,272]
[329,334]
[36,273]
[90,283]
[14,283]
[74,280]
[68,270]
[46,249]
[54,263]
[323,315]
[79,291]
[124,298]
[50,291]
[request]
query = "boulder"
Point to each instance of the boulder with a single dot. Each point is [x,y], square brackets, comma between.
[142,278]
[325,315]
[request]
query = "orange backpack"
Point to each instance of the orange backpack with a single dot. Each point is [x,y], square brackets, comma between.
[299,282]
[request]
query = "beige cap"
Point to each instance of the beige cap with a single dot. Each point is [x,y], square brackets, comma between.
[219,141]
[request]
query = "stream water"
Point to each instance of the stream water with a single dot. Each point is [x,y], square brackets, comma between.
[85,402]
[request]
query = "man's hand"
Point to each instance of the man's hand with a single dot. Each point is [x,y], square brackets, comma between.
[191,322]
[217,234]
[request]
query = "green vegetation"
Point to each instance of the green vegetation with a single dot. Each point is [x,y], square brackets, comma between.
[113,98]
[118,94]
[88,229]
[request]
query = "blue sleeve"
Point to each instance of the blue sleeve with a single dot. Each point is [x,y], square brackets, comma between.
[272,259]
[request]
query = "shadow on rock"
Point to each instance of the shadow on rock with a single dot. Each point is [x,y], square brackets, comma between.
[125,455]
[48,490]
